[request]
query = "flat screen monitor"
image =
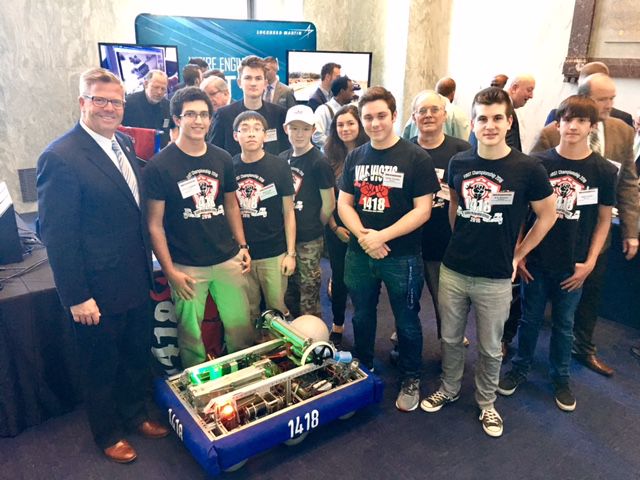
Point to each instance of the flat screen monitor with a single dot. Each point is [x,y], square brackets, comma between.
[303,70]
[131,62]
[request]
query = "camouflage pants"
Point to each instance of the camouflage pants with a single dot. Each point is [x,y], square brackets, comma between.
[303,292]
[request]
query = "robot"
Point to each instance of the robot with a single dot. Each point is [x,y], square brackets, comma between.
[233,407]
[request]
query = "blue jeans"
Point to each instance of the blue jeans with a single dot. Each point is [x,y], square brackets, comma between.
[403,277]
[535,294]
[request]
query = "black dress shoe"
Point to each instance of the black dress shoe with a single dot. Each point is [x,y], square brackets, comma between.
[635,351]
[594,363]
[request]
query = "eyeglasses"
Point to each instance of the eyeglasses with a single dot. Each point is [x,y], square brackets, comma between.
[102,102]
[246,130]
[193,115]
[433,110]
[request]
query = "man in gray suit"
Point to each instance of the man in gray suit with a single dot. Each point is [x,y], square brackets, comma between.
[617,139]
[276,91]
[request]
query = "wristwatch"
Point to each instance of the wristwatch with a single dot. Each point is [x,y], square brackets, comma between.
[244,246]
[294,254]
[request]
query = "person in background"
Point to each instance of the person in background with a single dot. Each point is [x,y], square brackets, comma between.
[329,72]
[345,134]
[218,91]
[150,107]
[342,90]
[276,91]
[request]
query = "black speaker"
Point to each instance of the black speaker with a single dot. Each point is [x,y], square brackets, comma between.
[10,246]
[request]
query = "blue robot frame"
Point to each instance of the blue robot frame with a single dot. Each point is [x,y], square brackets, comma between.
[234,407]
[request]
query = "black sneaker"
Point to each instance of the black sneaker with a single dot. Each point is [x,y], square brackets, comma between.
[510,382]
[564,398]
[491,422]
[336,339]
[409,395]
[436,401]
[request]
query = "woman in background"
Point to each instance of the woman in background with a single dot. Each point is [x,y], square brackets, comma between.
[345,134]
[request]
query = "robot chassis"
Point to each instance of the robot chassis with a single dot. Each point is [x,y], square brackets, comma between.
[233,407]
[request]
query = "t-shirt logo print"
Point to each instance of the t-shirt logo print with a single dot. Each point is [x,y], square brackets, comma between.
[248,195]
[297,176]
[567,188]
[374,198]
[477,193]
[205,201]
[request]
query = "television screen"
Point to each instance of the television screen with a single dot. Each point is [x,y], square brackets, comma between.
[303,70]
[131,62]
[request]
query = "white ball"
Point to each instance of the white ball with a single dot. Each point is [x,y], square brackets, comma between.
[312,327]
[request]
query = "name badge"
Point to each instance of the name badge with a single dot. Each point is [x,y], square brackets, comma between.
[165,123]
[614,163]
[268,191]
[440,173]
[502,198]
[189,188]
[393,179]
[272,135]
[587,197]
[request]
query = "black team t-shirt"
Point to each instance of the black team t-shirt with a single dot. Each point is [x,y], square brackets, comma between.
[196,227]
[581,187]
[384,184]
[261,186]
[437,231]
[493,201]
[311,173]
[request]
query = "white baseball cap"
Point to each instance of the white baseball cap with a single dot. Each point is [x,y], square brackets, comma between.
[300,113]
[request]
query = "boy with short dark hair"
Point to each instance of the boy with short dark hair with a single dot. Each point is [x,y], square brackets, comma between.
[491,189]
[265,192]
[584,183]
[313,182]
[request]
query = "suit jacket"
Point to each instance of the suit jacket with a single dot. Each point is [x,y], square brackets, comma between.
[95,233]
[615,113]
[317,99]
[283,96]
[618,146]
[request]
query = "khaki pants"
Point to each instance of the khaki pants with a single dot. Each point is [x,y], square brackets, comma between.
[228,287]
[265,277]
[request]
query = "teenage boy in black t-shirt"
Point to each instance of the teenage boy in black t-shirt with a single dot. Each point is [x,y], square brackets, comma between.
[314,202]
[430,115]
[196,229]
[265,193]
[252,79]
[385,197]
[556,269]
[491,189]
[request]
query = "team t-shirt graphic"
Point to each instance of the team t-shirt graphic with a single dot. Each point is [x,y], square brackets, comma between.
[477,193]
[249,195]
[205,201]
[298,178]
[567,185]
[374,194]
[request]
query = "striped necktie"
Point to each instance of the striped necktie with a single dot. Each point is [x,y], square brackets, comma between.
[594,141]
[268,95]
[126,170]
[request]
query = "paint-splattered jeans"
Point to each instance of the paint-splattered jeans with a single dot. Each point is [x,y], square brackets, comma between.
[403,278]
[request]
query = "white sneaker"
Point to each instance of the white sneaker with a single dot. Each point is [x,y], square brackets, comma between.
[491,422]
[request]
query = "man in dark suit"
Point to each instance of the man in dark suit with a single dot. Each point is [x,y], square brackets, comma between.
[618,147]
[276,91]
[149,108]
[93,224]
[590,69]
[252,80]
[328,73]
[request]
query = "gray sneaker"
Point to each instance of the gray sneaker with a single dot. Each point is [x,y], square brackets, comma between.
[491,422]
[436,401]
[409,395]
